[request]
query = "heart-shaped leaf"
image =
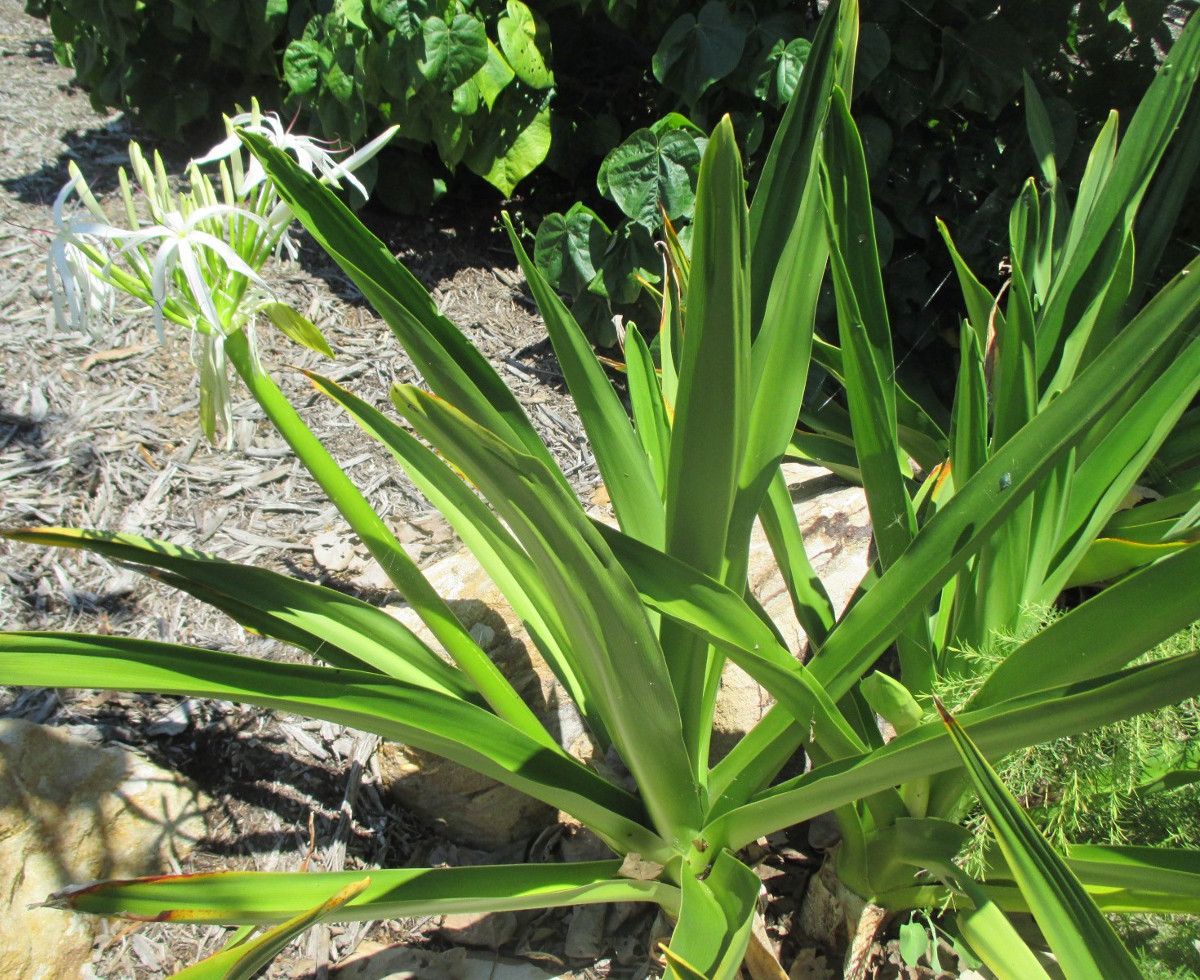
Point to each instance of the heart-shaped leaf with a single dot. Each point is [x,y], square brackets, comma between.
[649,171]
[699,50]
[406,17]
[525,41]
[453,51]
[569,247]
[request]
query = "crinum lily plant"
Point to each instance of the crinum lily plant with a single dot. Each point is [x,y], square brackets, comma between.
[637,621]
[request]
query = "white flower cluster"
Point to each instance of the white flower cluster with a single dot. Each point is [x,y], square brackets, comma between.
[194,255]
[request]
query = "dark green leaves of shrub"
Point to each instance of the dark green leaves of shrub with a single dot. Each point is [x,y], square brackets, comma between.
[525,41]
[699,50]
[302,66]
[569,247]
[778,68]
[405,17]
[652,170]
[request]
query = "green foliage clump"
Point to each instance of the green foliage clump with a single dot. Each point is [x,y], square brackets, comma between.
[939,102]
[174,64]
[472,81]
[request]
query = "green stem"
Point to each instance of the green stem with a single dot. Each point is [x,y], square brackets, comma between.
[383,545]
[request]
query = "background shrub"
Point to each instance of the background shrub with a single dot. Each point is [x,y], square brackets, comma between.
[628,87]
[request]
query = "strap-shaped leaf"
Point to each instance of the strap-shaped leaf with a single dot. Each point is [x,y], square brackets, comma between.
[810,600]
[715,919]
[451,365]
[233,897]
[651,420]
[786,268]
[1118,456]
[969,429]
[488,540]
[777,200]
[310,616]
[1125,878]
[997,729]
[1098,231]
[370,528]
[992,936]
[446,726]
[978,508]
[243,960]
[1100,633]
[708,438]
[620,456]
[616,654]
[982,310]
[706,607]
[1077,931]
[865,334]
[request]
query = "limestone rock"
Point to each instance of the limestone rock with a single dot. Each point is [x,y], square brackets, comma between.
[465,806]
[475,810]
[374,961]
[71,813]
[836,525]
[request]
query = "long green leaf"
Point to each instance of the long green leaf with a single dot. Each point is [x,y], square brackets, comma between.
[379,539]
[1116,461]
[425,719]
[619,454]
[983,311]
[1078,933]
[978,508]
[996,729]
[784,180]
[481,531]
[990,934]
[1097,236]
[788,258]
[451,365]
[968,431]
[810,601]
[708,439]
[865,333]
[715,919]
[311,616]
[706,607]
[1162,879]
[1100,634]
[243,961]
[616,653]
[649,410]
[1174,871]
[235,897]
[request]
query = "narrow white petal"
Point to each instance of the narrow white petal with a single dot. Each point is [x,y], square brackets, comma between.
[231,258]
[201,290]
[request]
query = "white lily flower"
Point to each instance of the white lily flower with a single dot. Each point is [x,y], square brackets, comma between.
[312,155]
[192,256]
[180,237]
[78,295]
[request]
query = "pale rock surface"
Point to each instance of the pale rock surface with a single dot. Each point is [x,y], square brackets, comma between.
[71,813]
[374,961]
[475,810]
